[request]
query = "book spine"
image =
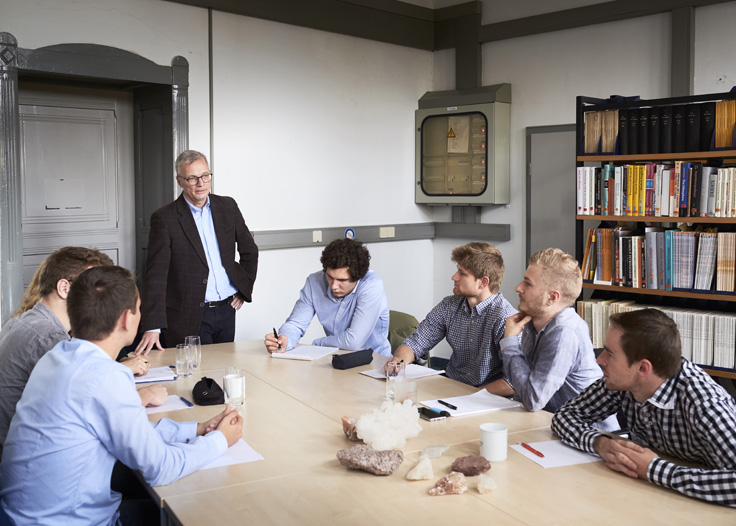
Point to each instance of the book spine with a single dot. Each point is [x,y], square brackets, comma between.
[692,128]
[696,176]
[643,131]
[623,132]
[707,125]
[684,188]
[654,124]
[668,260]
[633,131]
[678,129]
[580,196]
[665,129]
[617,191]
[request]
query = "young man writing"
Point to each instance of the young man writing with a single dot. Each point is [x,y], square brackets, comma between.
[472,320]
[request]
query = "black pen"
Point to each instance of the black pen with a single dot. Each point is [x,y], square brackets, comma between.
[276,335]
[447,405]
[189,404]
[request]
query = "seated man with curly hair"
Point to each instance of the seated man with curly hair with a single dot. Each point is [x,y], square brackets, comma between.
[348,299]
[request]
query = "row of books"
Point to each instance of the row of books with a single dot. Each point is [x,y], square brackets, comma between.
[661,129]
[680,189]
[708,338]
[661,259]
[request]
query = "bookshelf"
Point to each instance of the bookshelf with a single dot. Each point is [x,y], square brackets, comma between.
[588,155]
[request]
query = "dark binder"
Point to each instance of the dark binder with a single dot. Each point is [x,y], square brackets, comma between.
[665,129]
[692,128]
[623,132]
[707,125]
[678,129]
[633,131]
[643,131]
[654,114]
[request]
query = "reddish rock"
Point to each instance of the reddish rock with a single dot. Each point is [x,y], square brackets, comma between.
[471,465]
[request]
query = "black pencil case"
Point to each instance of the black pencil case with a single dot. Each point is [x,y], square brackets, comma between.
[352,359]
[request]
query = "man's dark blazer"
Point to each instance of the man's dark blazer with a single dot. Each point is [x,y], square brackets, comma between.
[175,280]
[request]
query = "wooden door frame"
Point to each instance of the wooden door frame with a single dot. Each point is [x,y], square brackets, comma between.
[80,64]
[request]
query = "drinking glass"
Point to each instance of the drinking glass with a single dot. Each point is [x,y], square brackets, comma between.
[395,375]
[234,386]
[196,347]
[183,360]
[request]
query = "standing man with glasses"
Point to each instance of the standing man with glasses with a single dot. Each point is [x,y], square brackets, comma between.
[193,283]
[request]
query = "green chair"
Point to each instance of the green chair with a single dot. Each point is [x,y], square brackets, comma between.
[400,326]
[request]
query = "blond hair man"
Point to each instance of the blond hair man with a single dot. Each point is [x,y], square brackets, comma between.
[555,360]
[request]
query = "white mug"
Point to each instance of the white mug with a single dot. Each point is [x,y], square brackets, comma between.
[493,442]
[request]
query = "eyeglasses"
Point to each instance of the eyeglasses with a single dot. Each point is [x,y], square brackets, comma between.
[192,181]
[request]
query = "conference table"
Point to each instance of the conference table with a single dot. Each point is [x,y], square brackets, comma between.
[292,417]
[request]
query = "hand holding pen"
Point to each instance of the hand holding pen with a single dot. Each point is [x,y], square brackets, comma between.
[276,342]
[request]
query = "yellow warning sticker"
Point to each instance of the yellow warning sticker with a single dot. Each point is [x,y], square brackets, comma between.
[451,134]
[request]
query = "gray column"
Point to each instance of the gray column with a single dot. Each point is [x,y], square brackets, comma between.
[11,239]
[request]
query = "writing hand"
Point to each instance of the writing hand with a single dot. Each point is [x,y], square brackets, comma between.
[272,344]
[138,364]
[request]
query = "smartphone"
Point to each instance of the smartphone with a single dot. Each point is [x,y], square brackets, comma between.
[432,414]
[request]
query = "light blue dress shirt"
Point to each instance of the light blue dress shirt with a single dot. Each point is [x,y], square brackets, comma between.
[356,322]
[79,413]
[219,286]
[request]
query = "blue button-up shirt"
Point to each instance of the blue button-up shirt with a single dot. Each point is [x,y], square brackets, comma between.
[474,335]
[219,286]
[79,413]
[356,322]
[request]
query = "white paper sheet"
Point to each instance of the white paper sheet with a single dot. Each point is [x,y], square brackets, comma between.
[556,454]
[174,403]
[412,371]
[157,374]
[305,352]
[480,402]
[238,453]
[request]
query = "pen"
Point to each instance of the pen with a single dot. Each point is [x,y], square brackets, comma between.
[276,335]
[447,405]
[530,448]
[189,404]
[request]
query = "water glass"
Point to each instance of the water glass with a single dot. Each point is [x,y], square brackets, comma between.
[183,360]
[196,347]
[400,389]
[234,386]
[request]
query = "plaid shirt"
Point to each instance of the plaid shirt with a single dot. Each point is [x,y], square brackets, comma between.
[689,417]
[474,334]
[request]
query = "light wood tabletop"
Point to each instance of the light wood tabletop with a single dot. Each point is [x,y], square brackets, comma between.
[292,417]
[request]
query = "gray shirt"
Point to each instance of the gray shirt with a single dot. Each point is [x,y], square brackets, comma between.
[23,341]
[553,365]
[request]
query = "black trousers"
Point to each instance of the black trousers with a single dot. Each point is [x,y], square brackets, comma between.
[218,325]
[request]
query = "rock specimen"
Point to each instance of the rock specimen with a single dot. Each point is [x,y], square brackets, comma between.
[422,471]
[486,483]
[452,484]
[348,427]
[389,426]
[435,451]
[471,465]
[368,459]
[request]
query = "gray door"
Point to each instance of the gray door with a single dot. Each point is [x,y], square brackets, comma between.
[77,179]
[551,188]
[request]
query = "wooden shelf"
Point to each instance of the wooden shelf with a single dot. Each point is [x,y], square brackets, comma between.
[657,292]
[718,372]
[652,157]
[658,219]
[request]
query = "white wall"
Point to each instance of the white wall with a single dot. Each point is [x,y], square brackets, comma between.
[314,129]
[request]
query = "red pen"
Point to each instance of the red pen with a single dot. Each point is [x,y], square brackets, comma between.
[530,448]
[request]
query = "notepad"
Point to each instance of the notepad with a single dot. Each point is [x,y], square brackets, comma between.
[174,403]
[305,352]
[238,453]
[556,454]
[413,371]
[157,374]
[480,402]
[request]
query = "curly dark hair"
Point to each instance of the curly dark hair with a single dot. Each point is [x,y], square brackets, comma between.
[347,253]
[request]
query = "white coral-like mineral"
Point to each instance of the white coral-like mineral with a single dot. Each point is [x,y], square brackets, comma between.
[389,426]
[486,483]
[422,471]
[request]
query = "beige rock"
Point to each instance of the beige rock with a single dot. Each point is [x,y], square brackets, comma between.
[486,483]
[360,456]
[348,427]
[452,484]
[422,471]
